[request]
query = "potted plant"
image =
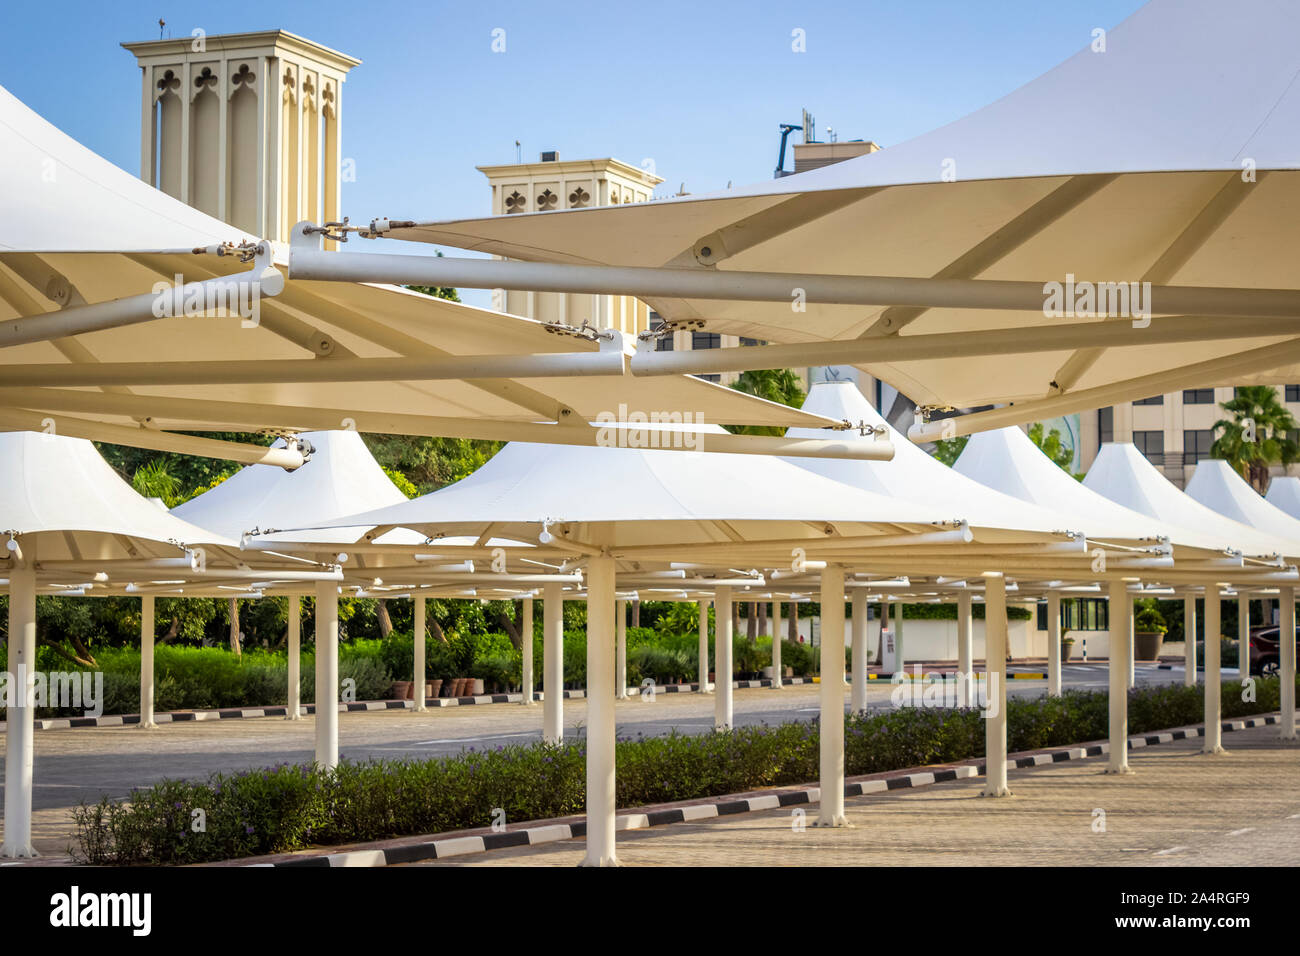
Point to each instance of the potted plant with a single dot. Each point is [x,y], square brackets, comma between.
[1067,645]
[1149,629]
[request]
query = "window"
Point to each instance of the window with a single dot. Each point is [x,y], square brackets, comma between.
[706,340]
[1152,445]
[1153,400]
[1085,614]
[663,343]
[1293,393]
[746,343]
[1106,424]
[1198,396]
[711,377]
[1079,614]
[1196,445]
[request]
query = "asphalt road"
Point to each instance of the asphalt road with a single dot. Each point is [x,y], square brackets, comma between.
[73,765]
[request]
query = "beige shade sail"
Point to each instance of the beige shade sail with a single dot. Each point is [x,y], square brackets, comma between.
[1167,157]
[76,232]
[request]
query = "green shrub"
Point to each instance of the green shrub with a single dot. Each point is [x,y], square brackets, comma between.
[287,808]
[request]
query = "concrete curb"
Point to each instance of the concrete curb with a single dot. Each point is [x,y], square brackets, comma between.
[554,831]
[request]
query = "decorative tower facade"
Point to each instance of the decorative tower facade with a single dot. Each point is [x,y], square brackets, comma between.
[573,184]
[244,126]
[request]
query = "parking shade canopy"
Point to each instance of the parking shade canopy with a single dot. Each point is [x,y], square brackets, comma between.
[1220,488]
[1006,459]
[77,232]
[63,491]
[341,477]
[674,501]
[915,475]
[1122,474]
[1166,151]
[1284,494]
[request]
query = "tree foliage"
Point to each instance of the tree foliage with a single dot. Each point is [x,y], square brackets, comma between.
[780,385]
[1257,435]
[1051,445]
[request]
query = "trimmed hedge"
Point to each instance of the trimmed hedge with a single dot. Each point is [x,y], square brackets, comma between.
[286,807]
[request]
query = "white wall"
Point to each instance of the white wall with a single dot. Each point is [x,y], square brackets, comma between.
[936,640]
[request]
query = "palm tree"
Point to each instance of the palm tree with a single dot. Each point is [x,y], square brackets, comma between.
[1256,436]
[155,480]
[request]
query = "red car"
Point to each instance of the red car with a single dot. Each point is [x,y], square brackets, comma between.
[1266,649]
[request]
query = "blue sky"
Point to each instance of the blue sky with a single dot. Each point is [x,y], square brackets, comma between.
[699,88]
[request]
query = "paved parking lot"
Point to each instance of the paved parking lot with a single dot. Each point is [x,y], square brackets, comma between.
[72,765]
[1179,808]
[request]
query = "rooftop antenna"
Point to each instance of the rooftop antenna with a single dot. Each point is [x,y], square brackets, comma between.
[786,130]
[161,23]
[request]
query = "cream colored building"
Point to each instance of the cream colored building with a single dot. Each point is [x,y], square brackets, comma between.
[552,183]
[1173,431]
[245,126]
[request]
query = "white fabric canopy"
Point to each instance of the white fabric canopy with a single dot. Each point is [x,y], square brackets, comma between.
[76,230]
[1179,144]
[649,496]
[1007,460]
[341,478]
[1284,494]
[1122,474]
[62,490]
[915,475]
[1217,486]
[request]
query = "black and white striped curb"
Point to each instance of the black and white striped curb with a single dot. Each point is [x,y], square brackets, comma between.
[237,713]
[645,819]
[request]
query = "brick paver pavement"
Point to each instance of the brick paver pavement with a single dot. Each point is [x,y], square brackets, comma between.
[1179,808]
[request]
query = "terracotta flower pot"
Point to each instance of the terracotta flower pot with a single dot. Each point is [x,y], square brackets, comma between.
[435,688]
[401,690]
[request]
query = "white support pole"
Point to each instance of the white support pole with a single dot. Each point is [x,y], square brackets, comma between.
[552,664]
[778,635]
[704,646]
[1053,644]
[307,261]
[526,648]
[1286,663]
[146,660]
[20,734]
[1121,640]
[900,662]
[965,649]
[1243,636]
[327,674]
[1131,662]
[418,666]
[294,709]
[723,617]
[620,658]
[1212,742]
[1189,640]
[859,696]
[830,811]
[995,664]
[600,712]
